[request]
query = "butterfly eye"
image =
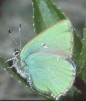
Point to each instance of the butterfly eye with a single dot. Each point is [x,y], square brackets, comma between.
[16,52]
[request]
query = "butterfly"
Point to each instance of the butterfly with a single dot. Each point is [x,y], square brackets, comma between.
[45,61]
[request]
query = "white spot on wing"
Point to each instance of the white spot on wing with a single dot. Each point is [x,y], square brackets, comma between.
[44,45]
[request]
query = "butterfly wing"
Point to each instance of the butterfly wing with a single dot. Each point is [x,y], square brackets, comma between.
[50,74]
[58,39]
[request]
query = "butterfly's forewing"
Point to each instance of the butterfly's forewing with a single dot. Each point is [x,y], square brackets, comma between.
[50,73]
[58,39]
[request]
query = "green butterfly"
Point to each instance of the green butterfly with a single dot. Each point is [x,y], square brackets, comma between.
[45,62]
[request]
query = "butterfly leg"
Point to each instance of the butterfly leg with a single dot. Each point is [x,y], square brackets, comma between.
[9,61]
[14,64]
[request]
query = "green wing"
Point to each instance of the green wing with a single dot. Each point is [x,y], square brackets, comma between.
[50,74]
[58,39]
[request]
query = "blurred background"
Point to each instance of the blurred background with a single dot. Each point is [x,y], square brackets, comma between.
[12,12]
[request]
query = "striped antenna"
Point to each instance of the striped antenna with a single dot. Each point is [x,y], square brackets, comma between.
[13,38]
[20,34]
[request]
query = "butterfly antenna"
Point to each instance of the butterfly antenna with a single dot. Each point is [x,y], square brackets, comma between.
[20,34]
[13,38]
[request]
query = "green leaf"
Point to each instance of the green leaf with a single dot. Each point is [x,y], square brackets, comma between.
[45,14]
[82,59]
[77,50]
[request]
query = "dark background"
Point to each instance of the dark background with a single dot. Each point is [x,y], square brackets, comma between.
[12,12]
